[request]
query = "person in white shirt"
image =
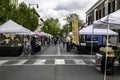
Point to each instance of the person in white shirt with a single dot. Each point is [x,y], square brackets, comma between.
[68,40]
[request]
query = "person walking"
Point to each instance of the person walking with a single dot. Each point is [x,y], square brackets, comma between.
[64,41]
[33,45]
[68,40]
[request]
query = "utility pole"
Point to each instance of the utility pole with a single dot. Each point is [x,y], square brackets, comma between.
[34,4]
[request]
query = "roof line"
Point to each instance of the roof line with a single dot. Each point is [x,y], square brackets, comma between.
[94,6]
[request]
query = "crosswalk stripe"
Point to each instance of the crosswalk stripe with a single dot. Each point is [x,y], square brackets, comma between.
[79,61]
[43,62]
[21,62]
[39,62]
[3,61]
[93,61]
[59,61]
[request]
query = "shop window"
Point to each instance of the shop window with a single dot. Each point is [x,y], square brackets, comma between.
[113,6]
[96,15]
[109,8]
[99,14]
[103,11]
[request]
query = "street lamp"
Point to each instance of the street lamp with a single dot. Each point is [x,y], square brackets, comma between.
[34,4]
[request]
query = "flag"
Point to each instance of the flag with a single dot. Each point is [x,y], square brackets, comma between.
[75,36]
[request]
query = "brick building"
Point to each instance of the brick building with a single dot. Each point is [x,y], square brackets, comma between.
[100,9]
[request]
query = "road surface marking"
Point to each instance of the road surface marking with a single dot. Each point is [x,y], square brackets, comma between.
[59,61]
[59,50]
[66,55]
[39,62]
[79,61]
[21,62]
[93,61]
[3,61]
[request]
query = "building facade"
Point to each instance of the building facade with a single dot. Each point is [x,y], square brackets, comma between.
[100,9]
[14,2]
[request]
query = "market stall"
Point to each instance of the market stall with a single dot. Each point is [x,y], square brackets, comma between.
[11,44]
[95,34]
[111,21]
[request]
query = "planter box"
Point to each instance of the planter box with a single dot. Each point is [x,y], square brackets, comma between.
[100,63]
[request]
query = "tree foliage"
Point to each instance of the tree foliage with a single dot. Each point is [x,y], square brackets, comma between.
[65,29]
[51,26]
[23,15]
[68,26]
[28,17]
[5,11]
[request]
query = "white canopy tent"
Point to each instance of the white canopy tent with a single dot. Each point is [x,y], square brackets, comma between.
[12,27]
[111,21]
[30,33]
[90,31]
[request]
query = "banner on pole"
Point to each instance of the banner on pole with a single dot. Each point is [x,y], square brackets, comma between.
[75,36]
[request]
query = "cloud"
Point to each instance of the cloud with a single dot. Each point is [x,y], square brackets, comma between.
[61,8]
[71,5]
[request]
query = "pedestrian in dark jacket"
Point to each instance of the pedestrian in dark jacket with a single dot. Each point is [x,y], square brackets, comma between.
[33,45]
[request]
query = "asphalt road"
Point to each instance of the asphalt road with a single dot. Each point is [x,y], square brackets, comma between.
[52,63]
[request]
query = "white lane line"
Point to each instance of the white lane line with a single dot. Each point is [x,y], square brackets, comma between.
[93,61]
[79,61]
[67,55]
[59,50]
[59,61]
[21,62]
[39,62]
[116,63]
[3,61]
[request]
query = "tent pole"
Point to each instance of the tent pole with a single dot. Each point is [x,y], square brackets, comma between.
[106,49]
[91,46]
[117,39]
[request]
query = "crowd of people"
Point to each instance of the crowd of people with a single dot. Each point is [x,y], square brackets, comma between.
[34,44]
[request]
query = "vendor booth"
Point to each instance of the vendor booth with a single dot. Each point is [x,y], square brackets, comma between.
[111,21]
[94,36]
[11,44]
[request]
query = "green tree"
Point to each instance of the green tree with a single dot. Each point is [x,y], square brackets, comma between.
[23,15]
[69,20]
[51,26]
[65,29]
[6,10]
[27,17]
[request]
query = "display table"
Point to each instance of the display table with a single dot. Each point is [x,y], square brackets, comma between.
[11,50]
[85,47]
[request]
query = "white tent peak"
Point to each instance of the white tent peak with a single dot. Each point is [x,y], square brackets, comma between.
[113,19]
[89,30]
[12,27]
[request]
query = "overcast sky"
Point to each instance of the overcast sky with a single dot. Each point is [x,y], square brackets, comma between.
[60,8]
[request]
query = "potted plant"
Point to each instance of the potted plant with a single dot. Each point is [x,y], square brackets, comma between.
[101,58]
[117,54]
[110,52]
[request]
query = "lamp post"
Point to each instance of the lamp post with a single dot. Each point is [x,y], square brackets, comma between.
[34,4]
[33,11]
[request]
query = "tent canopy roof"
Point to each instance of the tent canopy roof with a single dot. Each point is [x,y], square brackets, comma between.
[12,27]
[112,19]
[89,30]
